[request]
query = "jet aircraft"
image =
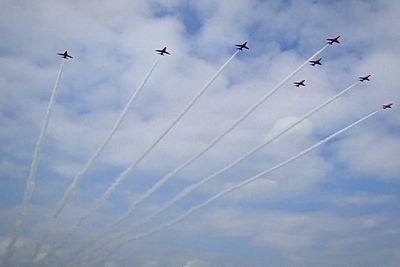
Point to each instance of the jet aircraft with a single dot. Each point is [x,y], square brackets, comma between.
[333,40]
[299,83]
[242,46]
[385,106]
[315,62]
[365,78]
[163,51]
[64,55]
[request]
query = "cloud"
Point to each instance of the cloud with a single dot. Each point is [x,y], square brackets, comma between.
[362,198]
[283,219]
[195,263]
[369,153]
[297,236]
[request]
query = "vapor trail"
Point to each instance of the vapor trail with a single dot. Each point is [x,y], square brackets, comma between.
[100,149]
[89,164]
[35,254]
[120,179]
[31,181]
[92,160]
[125,173]
[131,167]
[188,190]
[232,188]
[168,176]
[196,185]
[246,182]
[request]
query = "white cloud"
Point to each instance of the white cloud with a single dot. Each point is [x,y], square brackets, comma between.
[367,153]
[363,198]
[195,263]
[113,45]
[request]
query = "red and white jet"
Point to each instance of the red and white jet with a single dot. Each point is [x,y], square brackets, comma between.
[333,40]
[64,55]
[315,62]
[299,83]
[242,46]
[365,78]
[163,51]
[385,106]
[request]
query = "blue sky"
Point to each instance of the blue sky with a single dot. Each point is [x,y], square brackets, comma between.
[337,206]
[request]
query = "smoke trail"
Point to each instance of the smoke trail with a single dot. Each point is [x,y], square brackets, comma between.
[125,173]
[246,182]
[92,160]
[100,149]
[31,181]
[35,254]
[189,189]
[196,185]
[237,186]
[167,177]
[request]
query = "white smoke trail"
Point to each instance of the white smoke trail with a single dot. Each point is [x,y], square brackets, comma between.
[232,188]
[236,187]
[100,149]
[31,181]
[246,182]
[187,190]
[168,176]
[36,252]
[196,185]
[35,256]
[128,170]
[91,161]
[125,173]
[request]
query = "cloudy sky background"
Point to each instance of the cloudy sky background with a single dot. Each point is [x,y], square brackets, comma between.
[337,206]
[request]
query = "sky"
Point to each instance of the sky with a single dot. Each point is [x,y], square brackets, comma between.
[336,206]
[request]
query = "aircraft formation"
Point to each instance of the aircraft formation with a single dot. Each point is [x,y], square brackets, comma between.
[313,61]
[242,46]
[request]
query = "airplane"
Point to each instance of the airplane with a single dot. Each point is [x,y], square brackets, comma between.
[333,40]
[315,62]
[241,46]
[64,55]
[163,51]
[385,106]
[365,78]
[297,84]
